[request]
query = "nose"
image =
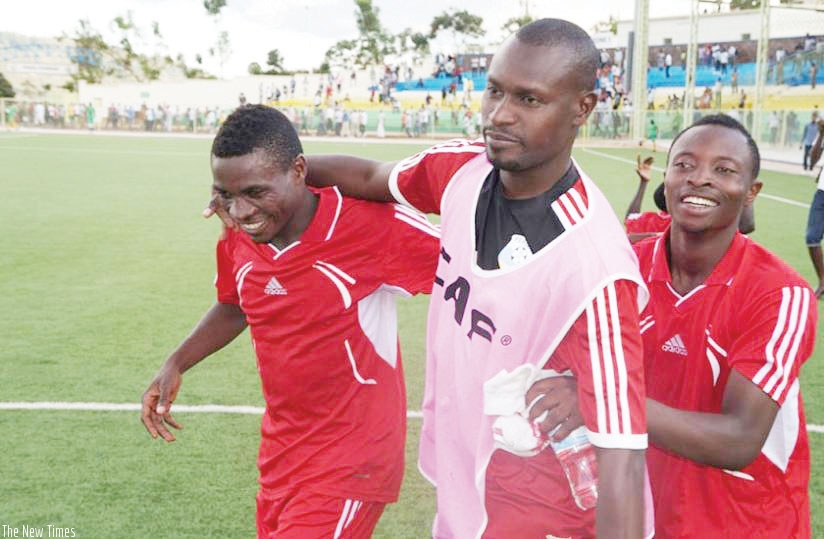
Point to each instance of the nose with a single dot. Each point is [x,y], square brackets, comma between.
[240,209]
[700,175]
[499,111]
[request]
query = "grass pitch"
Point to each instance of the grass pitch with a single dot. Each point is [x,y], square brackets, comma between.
[106,264]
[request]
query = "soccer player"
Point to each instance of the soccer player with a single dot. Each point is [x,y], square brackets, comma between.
[312,274]
[726,331]
[815,219]
[535,274]
[643,225]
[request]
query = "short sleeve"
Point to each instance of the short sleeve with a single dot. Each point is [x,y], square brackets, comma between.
[778,337]
[604,351]
[411,251]
[419,181]
[225,279]
[646,222]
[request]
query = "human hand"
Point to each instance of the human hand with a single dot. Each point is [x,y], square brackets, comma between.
[215,207]
[558,403]
[157,403]
[644,168]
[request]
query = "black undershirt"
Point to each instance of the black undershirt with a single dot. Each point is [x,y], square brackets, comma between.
[497,218]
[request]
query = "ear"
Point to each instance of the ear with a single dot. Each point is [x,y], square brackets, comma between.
[299,168]
[755,188]
[586,104]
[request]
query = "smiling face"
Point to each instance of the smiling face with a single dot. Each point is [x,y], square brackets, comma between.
[532,106]
[262,198]
[709,179]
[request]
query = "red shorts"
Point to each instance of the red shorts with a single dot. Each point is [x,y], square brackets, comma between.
[303,515]
[529,498]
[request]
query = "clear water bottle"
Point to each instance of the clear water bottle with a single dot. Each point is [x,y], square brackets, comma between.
[577,458]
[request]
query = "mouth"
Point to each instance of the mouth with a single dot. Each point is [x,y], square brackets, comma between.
[499,138]
[253,227]
[699,202]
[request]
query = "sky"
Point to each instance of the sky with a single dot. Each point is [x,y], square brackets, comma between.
[302,30]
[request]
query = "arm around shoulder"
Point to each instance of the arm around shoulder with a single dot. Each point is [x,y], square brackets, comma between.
[355,177]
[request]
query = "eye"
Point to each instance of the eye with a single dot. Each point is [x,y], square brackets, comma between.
[492,90]
[255,192]
[725,170]
[530,100]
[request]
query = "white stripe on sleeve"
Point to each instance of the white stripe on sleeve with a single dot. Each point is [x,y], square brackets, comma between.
[595,361]
[347,505]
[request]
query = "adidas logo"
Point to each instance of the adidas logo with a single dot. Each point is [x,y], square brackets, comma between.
[273,288]
[675,344]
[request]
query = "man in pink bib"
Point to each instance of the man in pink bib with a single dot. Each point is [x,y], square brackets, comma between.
[536,277]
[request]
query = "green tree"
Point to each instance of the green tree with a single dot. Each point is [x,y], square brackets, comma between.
[254,69]
[275,61]
[213,7]
[6,89]
[344,53]
[459,23]
[608,26]
[222,49]
[88,54]
[374,42]
[516,23]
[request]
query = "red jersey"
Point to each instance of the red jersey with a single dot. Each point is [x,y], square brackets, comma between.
[647,222]
[756,315]
[323,325]
[529,496]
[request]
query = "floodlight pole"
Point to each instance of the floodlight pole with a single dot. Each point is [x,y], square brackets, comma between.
[761,69]
[692,61]
[640,55]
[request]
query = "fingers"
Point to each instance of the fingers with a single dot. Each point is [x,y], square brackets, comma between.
[160,422]
[552,403]
[147,410]
[567,426]
[155,411]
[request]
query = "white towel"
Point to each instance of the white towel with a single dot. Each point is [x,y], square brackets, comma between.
[505,397]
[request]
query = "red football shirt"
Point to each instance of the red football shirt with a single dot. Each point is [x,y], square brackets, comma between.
[323,325]
[530,496]
[647,222]
[756,315]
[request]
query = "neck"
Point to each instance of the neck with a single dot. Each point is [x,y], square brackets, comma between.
[693,255]
[534,181]
[299,221]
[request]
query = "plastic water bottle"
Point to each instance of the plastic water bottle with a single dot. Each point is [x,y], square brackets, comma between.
[577,458]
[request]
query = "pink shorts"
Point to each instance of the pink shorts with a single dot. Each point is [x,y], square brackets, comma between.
[302,515]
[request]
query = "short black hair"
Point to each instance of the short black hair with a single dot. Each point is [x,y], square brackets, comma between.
[257,127]
[660,198]
[729,122]
[583,59]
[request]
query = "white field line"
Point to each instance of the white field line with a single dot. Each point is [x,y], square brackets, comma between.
[761,194]
[186,408]
[135,407]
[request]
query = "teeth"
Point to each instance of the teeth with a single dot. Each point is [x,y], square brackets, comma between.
[253,227]
[698,201]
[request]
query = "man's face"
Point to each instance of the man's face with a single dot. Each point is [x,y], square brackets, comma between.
[709,179]
[259,196]
[531,108]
